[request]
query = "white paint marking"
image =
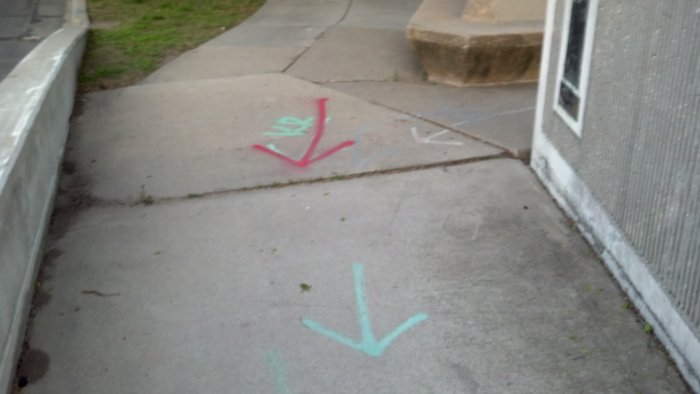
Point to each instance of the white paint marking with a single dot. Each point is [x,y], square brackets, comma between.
[429,140]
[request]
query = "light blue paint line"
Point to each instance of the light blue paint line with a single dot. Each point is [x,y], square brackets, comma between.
[274,361]
[319,328]
[362,311]
[415,319]
[369,343]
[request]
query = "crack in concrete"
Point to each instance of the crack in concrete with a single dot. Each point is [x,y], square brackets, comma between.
[323,179]
[99,293]
[98,202]
[517,154]
[342,18]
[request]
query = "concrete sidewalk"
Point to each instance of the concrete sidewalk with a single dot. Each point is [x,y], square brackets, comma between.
[23,25]
[290,209]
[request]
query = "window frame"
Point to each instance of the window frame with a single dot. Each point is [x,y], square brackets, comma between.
[591,15]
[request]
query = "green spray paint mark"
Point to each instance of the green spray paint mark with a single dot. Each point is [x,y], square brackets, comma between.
[369,343]
[274,361]
[290,126]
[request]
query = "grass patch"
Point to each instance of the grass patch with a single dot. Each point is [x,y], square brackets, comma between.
[130,39]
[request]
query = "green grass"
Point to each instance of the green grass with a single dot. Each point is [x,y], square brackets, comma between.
[129,39]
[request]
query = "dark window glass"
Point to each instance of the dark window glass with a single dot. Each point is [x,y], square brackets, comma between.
[574,46]
[569,96]
[568,100]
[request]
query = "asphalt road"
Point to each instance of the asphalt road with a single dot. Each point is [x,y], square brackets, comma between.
[23,25]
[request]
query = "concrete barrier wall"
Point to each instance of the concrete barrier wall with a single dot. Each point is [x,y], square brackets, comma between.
[36,100]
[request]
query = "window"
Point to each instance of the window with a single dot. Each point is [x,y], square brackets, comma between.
[575,61]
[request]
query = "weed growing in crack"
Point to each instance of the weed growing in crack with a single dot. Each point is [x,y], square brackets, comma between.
[145,198]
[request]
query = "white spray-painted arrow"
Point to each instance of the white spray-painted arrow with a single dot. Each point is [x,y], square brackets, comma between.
[429,140]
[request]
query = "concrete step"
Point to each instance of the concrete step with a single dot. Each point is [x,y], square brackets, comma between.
[488,42]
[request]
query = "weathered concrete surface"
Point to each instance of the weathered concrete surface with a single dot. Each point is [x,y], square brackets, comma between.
[11,52]
[205,295]
[346,53]
[367,44]
[202,138]
[295,13]
[229,61]
[269,41]
[385,14]
[505,10]
[459,52]
[274,39]
[206,291]
[16,7]
[35,103]
[13,26]
[501,115]
[23,24]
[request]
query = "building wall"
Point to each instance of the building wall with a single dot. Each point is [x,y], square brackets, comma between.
[639,153]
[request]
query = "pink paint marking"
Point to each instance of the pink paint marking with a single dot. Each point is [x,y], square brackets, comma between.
[307,158]
[276,154]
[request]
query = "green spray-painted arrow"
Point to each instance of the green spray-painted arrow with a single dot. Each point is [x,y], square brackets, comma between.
[369,343]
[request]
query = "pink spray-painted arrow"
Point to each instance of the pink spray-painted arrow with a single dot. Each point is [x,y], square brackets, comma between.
[308,158]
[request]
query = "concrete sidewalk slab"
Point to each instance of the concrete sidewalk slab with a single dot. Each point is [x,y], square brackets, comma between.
[356,54]
[461,278]
[16,7]
[11,52]
[171,140]
[274,35]
[44,26]
[216,295]
[23,25]
[285,23]
[387,14]
[269,41]
[300,13]
[281,31]
[48,8]
[210,61]
[13,26]
[501,115]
